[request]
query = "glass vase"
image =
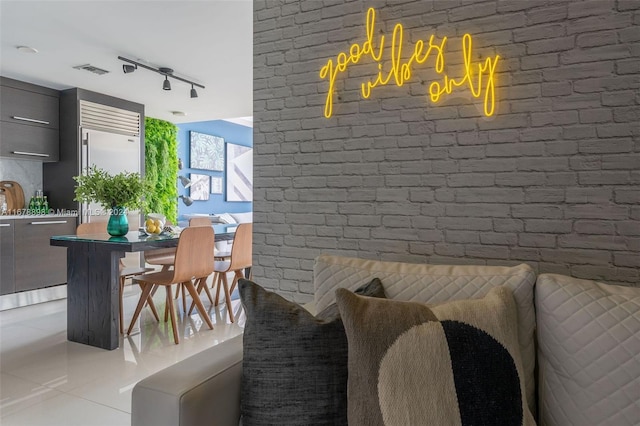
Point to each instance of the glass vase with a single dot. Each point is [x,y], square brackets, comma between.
[118,223]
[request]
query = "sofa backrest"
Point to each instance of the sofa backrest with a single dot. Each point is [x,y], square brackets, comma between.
[588,346]
[432,284]
[243,217]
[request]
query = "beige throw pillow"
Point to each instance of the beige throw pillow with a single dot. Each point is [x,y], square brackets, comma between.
[457,363]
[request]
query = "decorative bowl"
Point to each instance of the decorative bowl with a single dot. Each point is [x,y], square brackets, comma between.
[154,224]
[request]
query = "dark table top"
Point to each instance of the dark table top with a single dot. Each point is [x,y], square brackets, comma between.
[136,241]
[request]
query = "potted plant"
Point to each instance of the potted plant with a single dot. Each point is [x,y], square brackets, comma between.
[116,193]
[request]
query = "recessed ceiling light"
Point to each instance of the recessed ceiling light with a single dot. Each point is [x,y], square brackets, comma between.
[27,49]
[179,113]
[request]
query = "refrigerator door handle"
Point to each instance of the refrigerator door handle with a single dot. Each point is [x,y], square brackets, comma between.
[85,150]
[84,146]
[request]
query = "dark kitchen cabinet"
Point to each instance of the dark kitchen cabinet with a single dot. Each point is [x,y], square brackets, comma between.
[29,121]
[37,264]
[29,142]
[7,283]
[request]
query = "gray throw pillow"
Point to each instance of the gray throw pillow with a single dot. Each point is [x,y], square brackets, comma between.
[294,368]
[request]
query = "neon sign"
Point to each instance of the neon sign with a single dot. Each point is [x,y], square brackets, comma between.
[479,77]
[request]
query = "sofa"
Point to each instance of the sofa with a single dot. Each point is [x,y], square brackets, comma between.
[579,342]
[226,218]
[245,217]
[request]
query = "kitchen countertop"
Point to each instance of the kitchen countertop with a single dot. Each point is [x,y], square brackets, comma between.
[38,216]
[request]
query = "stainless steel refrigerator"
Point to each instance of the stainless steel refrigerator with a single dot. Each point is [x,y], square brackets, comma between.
[114,153]
[95,129]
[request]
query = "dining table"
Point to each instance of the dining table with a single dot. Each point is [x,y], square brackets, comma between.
[93,270]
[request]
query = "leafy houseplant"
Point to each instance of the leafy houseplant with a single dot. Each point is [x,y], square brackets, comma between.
[116,193]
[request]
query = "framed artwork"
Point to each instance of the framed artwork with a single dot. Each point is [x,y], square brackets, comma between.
[239,173]
[199,189]
[206,152]
[216,185]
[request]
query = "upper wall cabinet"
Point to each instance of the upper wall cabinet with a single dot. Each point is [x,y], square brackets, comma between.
[29,121]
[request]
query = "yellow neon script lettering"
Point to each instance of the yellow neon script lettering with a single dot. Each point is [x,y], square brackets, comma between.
[480,78]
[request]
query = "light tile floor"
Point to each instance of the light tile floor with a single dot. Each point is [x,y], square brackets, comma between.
[46,380]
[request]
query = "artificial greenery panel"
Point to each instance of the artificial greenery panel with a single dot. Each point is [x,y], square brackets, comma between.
[161,166]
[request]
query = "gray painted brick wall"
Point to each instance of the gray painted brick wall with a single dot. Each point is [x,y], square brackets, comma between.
[552,179]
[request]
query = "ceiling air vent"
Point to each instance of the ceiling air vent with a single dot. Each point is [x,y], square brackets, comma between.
[91,68]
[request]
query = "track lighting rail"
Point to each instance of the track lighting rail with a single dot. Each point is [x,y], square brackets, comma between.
[167,72]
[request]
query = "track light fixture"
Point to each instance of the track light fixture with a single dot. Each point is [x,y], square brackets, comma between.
[185,181]
[129,68]
[167,72]
[186,200]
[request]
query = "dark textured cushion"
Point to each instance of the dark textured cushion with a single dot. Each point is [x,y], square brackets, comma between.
[371,289]
[294,368]
[456,363]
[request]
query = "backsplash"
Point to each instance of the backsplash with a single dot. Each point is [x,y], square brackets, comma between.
[27,173]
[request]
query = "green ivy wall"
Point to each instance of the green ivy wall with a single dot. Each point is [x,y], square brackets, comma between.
[161,166]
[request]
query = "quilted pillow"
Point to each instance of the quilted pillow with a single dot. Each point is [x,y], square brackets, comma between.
[456,364]
[588,352]
[226,218]
[294,369]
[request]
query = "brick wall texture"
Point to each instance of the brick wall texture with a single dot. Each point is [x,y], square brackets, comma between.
[552,179]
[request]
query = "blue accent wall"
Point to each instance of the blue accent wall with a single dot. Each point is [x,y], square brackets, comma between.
[232,133]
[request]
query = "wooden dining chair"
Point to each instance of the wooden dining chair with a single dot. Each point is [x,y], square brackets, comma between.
[205,221]
[164,257]
[199,221]
[239,262]
[194,222]
[167,257]
[240,259]
[125,272]
[193,263]
[161,257]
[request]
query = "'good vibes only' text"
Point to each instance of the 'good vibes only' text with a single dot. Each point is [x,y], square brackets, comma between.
[479,77]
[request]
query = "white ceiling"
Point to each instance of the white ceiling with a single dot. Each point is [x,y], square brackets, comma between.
[209,42]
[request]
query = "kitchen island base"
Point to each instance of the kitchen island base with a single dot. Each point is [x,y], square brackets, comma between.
[93,273]
[94,317]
